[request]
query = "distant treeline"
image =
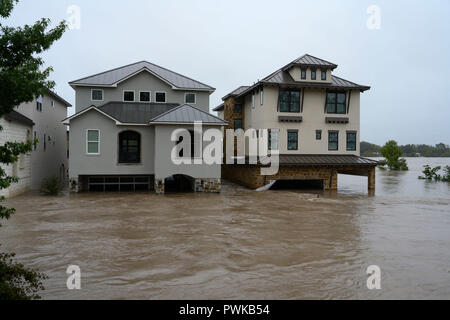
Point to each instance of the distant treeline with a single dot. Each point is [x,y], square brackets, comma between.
[409,150]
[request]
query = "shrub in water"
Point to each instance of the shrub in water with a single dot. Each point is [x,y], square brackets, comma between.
[51,186]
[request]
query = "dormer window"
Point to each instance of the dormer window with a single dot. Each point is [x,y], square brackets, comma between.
[313,74]
[303,74]
[144,96]
[324,76]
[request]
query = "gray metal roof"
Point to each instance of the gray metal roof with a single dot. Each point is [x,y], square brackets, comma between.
[134,112]
[236,91]
[327,160]
[309,60]
[321,160]
[220,107]
[18,117]
[111,77]
[187,114]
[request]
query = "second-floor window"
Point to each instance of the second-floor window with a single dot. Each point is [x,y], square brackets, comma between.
[313,74]
[160,97]
[351,141]
[237,108]
[289,101]
[292,140]
[39,104]
[333,140]
[189,98]
[144,96]
[336,102]
[128,96]
[323,75]
[97,95]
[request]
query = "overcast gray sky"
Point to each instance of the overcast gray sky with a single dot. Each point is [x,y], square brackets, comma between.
[230,43]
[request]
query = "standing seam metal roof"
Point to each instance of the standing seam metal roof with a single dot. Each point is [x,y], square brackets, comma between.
[109,78]
[187,114]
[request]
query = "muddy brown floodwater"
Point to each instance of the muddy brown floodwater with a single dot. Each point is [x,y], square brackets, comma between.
[241,244]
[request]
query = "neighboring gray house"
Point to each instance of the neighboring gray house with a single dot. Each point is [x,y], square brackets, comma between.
[41,119]
[120,135]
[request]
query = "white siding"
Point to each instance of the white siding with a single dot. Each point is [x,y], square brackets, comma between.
[16,132]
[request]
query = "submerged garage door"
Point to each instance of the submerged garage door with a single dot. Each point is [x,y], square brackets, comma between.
[119,183]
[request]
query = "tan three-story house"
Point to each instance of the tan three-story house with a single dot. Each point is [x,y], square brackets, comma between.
[313,118]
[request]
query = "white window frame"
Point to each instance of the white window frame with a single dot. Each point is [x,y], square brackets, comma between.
[165,96]
[103,94]
[87,142]
[195,97]
[134,95]
[149,94]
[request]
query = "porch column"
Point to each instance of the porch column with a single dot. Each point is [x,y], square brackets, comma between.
[159,186]
[371,178]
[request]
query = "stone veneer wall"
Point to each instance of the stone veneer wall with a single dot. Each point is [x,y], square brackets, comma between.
[207,185]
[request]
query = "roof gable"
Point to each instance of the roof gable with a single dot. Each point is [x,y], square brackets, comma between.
[112,77]
[187,114]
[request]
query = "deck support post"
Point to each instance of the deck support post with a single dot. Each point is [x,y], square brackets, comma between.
[371,179]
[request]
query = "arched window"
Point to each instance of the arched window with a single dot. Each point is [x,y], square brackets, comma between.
[129,147]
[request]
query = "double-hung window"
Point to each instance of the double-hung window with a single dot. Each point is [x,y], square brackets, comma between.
[333,140]
[323,75]
[313,74]
[289,101]
[351,141]
[237,108]
[292,140]
[93,141]
[336,102]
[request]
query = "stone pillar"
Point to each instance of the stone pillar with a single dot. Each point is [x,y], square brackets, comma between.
[159,186]
[331,182]
[371,178]
[207,185]
[75,185]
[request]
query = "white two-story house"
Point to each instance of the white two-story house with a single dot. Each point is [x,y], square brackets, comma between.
[120,135]
[313,119]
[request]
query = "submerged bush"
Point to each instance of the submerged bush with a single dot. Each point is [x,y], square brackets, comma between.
[51,186]
[432,173]
[446,176]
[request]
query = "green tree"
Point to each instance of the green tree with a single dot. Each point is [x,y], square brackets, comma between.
[22,78]
[392,153]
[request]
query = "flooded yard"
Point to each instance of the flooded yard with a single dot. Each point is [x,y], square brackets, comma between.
[242,244]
